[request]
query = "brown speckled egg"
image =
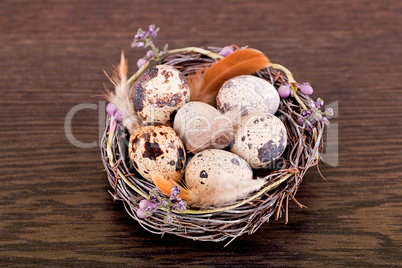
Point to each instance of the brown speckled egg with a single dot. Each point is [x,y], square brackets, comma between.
[213,167]
[156,147]
[249,94]
[158,93]
[260,139]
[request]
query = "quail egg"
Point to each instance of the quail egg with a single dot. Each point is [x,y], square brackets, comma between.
[156,147]
[260,139]
[200,126]
[217,177]
[248,94]
[158,93]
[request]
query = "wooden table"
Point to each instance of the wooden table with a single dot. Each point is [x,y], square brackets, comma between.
[55,209]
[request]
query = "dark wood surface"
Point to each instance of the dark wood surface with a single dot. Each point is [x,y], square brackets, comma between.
[55,209]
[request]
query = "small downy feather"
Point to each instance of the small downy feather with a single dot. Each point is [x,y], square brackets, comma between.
[225,192]
[206,82]
[120,98]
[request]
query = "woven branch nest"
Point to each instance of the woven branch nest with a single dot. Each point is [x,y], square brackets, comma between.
[244,216]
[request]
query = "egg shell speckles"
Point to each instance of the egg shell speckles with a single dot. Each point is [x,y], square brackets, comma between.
[260,139]
[249,94]
[156,147]
[158,93]
[214,167]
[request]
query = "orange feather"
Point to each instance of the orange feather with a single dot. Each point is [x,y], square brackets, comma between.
[165,185]
[206,83]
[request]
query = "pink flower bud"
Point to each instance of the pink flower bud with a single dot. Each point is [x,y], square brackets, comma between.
[226,51]
[141,62]
[146,205]
[118,116]
[141,213]
[150,54]
[111,108]
[305,89]
[284,91]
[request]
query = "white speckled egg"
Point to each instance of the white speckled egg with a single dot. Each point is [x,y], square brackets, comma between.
[156,147]
[218,177]
[207,167]
[260,139]
[200,126]
[158,93]
[249,94]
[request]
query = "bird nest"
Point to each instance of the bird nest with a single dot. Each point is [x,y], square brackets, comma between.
[303,148]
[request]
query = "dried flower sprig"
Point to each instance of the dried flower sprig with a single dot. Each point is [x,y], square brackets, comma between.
[145,40]
[157,200]
[315,114]
[285,90]
[308,116]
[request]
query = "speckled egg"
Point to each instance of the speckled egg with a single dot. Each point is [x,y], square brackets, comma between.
[216,178]
[158,93]
[213,166]
[260,139]
[249,94]
[156,147]
[200,126]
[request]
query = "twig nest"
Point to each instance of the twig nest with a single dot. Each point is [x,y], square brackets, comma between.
[260,139]
[217,177]
[156,147]
[248,94]
[200,126]
[158,93]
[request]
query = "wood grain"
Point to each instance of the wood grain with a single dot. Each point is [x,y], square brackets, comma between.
[54,206]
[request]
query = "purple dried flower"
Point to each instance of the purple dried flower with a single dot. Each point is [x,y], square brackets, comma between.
[174,192]
[140,44]
[180,206]
[168,219]
[152,28]
[111,108]
[153,196]
[305,88]
[284,91]
[306,113]
[138,34]
[145,39]
[146,208]
[319,103]
[226,51]
[325,120]
[147,205]
[329,111]
[314,114]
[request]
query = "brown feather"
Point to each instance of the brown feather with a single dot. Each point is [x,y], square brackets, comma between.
[207,82]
